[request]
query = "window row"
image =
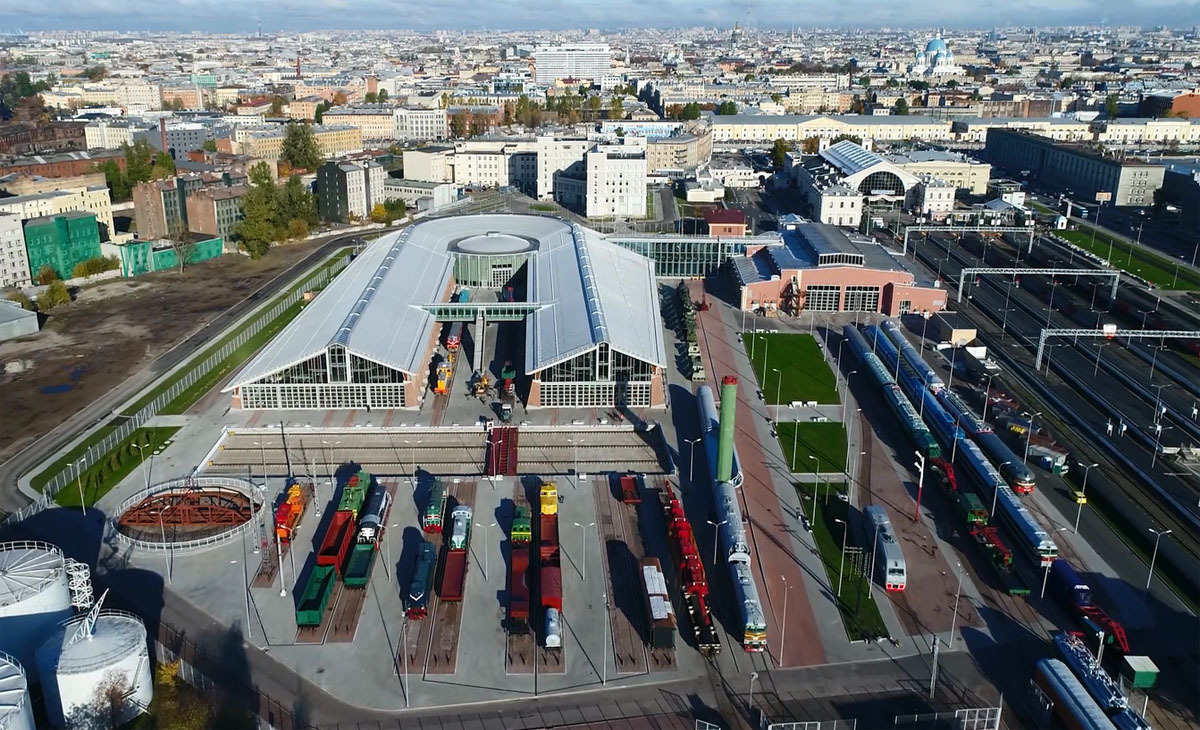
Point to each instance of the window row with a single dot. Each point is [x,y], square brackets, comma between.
[321,397]
[594,395]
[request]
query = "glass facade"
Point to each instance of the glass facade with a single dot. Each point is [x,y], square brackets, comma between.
[882,183]
[683,257]
[594,395]
[822,298]
[474,270]
[862,299]
[336,378]
[601,377]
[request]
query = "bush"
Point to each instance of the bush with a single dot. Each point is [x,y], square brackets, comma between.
[55,295]
[297,229]
[97,265]
[46,274]
[22,300]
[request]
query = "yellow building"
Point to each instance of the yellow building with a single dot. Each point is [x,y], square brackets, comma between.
[333,141]
[765,128]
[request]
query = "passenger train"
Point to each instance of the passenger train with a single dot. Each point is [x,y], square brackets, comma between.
[733,530]
[887,559]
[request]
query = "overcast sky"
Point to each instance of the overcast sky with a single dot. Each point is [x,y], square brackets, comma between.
[241,16]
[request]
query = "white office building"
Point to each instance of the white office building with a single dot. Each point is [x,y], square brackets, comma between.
[420,125]
[14,262]
[609,182]
[590,61]
[555,154]
[110,134]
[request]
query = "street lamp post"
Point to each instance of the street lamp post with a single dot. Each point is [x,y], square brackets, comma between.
[842,560]
[1158,535]
[79,483]
[766,351]
[487,546]
[604,661]
[582,548]
[716,541]
[329,468]
[1082,498]
[387,548]
[920,464]
[950,644]
[817,474]
[412,448]
[987,396]
[787,587]
[996,493]
[1029,434]
[778,385]
[846,388]
[691,458]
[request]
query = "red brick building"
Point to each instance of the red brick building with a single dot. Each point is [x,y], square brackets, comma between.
[725,222]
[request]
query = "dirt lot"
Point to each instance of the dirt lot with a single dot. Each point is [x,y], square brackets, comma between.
[113,329]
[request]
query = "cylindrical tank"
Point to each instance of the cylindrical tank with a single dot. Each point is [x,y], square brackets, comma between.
[93,657]
[34,596]
[16,711]
[725,444]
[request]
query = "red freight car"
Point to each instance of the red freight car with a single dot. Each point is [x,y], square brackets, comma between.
[629,489]
[518,590]
[551,586]
[337,541]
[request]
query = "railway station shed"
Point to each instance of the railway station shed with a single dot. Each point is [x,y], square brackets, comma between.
[590,313]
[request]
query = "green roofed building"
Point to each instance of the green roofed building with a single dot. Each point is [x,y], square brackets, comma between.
[61,241]
[146,257]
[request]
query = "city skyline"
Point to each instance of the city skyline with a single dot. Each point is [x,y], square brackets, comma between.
[315,15]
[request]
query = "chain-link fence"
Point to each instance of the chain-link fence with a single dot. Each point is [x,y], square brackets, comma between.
[190,375]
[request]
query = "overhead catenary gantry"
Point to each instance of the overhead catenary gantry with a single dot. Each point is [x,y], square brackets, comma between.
[1109,333]
[930,228]
[1013,271]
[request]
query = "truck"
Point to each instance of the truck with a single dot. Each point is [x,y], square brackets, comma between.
[288,513]
[658,603]
[435,508]
[416,606]
[521,532]
[313,599]
[505,412]
[337,541]
[518,589]
[550,566]
[454,572]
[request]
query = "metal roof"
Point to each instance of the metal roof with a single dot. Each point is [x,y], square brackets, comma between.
[27,568]
[851,158]
[591,291]
[14,690]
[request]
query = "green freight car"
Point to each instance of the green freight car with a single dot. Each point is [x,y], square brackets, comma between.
[316,594]
[358,565]
[354,492]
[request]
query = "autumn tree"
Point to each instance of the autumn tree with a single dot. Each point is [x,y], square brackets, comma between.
[182,243]
[300,147]
[616,108]
[55,295]
[779,152]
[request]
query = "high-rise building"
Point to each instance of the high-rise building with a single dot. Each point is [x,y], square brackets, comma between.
[585,61]
[348,189]
[14,262]
[61,242]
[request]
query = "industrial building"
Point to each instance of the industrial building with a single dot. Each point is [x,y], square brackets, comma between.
[16,321]
[1089,174]
[816,267]
[589,308]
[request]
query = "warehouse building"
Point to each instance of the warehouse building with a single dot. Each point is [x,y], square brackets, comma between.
[816,267]
[592,336]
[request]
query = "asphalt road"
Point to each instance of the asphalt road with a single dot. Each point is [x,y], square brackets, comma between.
[33,455]
[1091,410]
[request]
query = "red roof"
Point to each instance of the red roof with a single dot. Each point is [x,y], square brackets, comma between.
[724,215]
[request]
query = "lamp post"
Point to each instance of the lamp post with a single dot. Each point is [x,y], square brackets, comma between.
[996,493]
[387,548]
[920,464]
[604,661]
[1029,434]
[987,396]
[691,457]
[817,474]
[404,648]
[487,545]
[778,385]
[787,587]
[1158,534]
[842,560]
[753,676]
[950,643]
[846,388]
[329,468]
[412,447]
[716,541]
[766,350]
[582,549]
[79,483]
[1082,498]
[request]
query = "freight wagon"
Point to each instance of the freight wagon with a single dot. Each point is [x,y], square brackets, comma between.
[417,604]
[454,571]
[550,566]
[358,567]
[693,583]
[435,508]
[338,538]
[658,604]
[313,599]
[1076,598]
[518,589]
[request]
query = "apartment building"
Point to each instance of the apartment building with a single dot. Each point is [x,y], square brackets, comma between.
[93,199]
[610,182]
[333,140]
[110,134]
[496,163]
[679,155]
[589,61]
[429,164]
[61,241]
[349,190]
[767,128]
[14,261]
[377,121]
[216,211]
[420,125]
[1127,182]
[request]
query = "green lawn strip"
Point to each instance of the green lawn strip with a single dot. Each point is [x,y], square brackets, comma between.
[97,479]
[1136,260]
[805,375]
[650,204]
[1043,208]
[824,441]
[541,207]
[40,479]
[860,614]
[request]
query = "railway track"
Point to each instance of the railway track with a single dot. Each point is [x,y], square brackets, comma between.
[521,648]
[442,654]
[620,570]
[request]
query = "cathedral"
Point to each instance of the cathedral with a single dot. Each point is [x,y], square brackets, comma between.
[936,60]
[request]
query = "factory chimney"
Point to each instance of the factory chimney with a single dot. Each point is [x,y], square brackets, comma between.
[162,134]
[725,442]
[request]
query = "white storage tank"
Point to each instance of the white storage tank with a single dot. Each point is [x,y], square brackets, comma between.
[16,711]
[34,596]
[85,658]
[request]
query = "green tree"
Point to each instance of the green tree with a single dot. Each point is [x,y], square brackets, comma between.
[691,111]
[17,86]
[164,166]
[322,107]
[952,84]
[846,138]
[724,108]
[779,152]
[382,96]
[296,202]
[371,97]
[864,81]
[900,108]
[22,301]
[118,185]
[95,73]
[277,103]
[46,275]
[55,295]
[1111,106]
[260,211]
[210,145]
[300,148]
[458,125]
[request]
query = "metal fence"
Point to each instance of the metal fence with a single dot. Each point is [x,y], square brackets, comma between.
[253,491]
[191,374]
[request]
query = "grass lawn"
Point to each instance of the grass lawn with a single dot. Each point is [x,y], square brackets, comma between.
[650,196]
[1159,270]
[857,605]
[543,207]
[192,394]
[805,375]
[97,479]
[825,441]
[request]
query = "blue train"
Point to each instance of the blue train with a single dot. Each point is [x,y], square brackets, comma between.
[914,427]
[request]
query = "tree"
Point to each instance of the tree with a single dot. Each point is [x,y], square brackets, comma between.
[382,96]
[176,705]
[952,84]
[182,243]
[163,167]
[17,86]
[810,145]
[300,148]
[118,186]
[900,108]
[1111,106]
[777,98]
[779,152]
[724,108]
[371,97]
[95,73]
[46,275]
[277,103]
[847,138]
[22,301]
[297,203]
[93,266]
[339,98]
[139,162]
[55,295]
[691,111]
[322,107]
[210,145]
[444,100]
[177,104]
[864,81]
[260,209]
[109,704]
[458,125]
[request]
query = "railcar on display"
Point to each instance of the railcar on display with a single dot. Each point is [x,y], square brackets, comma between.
[890,568]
